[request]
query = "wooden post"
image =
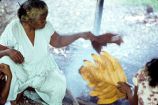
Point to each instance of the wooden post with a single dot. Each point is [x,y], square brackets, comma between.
[98,16]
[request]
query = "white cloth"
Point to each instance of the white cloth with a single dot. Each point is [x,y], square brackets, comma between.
[7,103]
[39,69]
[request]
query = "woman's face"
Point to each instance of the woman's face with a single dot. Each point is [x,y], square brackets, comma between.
[39,22]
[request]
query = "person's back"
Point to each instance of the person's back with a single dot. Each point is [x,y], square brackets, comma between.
[147,92]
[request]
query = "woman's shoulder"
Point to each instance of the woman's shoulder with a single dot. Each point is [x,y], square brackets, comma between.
[10,26]
[13,22]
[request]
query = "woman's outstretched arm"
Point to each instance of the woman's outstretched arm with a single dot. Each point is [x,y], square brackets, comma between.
[64,40]
[58,40]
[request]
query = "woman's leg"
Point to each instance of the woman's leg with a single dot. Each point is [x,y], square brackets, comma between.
[53,89]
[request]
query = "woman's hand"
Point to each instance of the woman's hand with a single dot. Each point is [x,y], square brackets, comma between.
[5,71]
[2,76]
[104,39]
[116,39]
[109,38]
[15,55]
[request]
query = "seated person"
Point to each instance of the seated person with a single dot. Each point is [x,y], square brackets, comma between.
[146,85]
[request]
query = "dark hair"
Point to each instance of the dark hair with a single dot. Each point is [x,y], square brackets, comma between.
[28,5]
[152,68]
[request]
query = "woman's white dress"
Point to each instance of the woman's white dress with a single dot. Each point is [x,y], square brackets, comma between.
[39,69]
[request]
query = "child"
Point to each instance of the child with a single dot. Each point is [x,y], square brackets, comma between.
[146,85]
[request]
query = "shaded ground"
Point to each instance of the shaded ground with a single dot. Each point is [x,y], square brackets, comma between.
[31,98]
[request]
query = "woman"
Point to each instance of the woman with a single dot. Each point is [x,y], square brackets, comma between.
[24,47]
[146,85]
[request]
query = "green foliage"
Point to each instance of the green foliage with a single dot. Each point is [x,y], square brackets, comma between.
[153,3]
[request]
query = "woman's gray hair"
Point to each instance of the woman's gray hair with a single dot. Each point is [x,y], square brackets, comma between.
[32,9]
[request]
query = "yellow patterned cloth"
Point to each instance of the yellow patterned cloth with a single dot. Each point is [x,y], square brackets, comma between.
[102,76]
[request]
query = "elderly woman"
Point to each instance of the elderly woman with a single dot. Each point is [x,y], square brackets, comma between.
[24,48]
